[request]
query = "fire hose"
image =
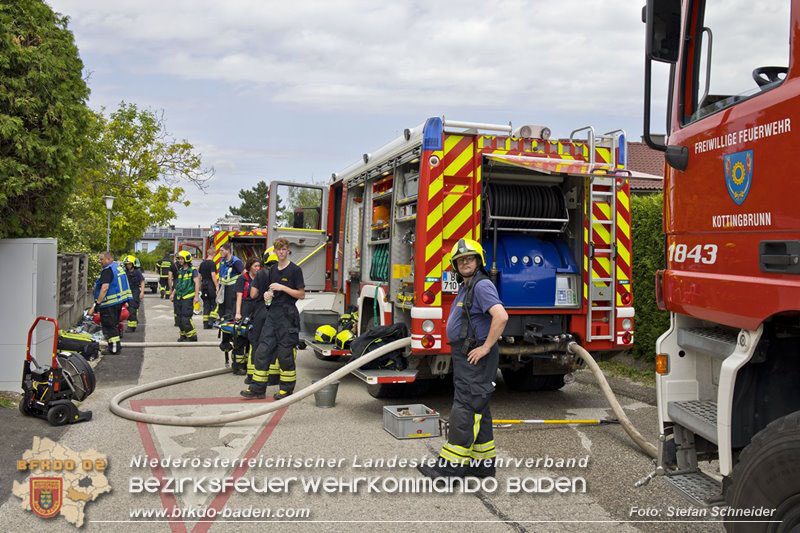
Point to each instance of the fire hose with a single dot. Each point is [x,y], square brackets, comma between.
[572,347]
[213,420]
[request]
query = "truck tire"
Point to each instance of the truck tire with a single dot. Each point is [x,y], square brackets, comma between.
[523,380]
[768,475]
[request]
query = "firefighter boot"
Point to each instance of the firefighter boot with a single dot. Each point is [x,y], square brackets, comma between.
[442,468]
[281,394]
[481,468]
[254,393]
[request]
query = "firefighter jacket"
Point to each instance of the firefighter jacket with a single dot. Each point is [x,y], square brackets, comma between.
[118,290]
[163,267]
[227,274]
[184,285]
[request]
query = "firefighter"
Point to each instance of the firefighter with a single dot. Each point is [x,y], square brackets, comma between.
[208,286]
[477,319]
[185,293]
[245,306]
[110,292]
[163,268]
[230,269]
[279,336]
[257,290]
[136,284]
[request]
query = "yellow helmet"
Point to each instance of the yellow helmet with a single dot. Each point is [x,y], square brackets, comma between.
[343,339]
[325,334]
[465,247]
[129,259]
[185,255]
[270,256]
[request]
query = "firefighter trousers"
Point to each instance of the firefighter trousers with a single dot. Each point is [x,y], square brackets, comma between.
[470,436]
[185,310]
[133,313]
[209,297]
[277,342]
[175,306]
[162,283]
[109,320]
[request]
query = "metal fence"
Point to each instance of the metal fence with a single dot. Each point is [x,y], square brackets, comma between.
[73,296]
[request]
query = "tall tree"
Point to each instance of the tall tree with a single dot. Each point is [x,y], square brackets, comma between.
[134,159]
[43,117]
[254,204]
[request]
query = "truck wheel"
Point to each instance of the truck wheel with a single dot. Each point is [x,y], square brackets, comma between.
[523,380]
[768,475]
[58,415]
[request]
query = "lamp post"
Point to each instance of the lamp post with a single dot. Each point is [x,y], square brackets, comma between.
[109,204]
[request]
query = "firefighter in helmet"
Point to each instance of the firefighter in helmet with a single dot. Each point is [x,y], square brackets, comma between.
[111,291]
[163,267]
[136,284]
[185,293]
[477,319]
[257,289]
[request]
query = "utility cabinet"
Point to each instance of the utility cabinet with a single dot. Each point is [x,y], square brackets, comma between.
[29,289]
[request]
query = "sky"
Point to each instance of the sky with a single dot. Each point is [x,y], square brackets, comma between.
[295,91]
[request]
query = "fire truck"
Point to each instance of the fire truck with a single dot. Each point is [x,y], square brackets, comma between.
[247,240]
[729,364]
[553,216]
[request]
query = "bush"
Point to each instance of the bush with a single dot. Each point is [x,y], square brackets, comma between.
[648,256]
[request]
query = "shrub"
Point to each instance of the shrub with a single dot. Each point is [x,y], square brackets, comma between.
[648,256]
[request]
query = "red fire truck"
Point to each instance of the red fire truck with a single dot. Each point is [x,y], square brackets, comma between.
[729,365]
[552,215]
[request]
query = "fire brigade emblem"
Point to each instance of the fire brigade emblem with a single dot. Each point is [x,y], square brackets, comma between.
[46,495]
[738,174]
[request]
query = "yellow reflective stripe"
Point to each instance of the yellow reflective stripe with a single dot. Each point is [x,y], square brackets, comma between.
[476,427]
[483,447]
[445,454]
[490,454]
[456,449]
[114,339]
[187,296]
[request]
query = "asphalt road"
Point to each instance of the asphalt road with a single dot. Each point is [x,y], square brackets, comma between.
[348,435]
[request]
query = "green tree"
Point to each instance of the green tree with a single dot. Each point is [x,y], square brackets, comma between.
[131,157]
[43,116]
[254,204]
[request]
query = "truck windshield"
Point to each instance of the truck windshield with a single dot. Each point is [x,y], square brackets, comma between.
[749,52]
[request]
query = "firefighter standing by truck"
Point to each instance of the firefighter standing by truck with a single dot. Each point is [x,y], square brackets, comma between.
[209,284]
[136,284]
[163,268]
[477,319]
[230,269]
[185,293]
[245,306]
[257,290]
[110,292]
[279,336]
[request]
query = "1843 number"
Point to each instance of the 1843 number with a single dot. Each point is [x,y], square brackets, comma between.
[700,253]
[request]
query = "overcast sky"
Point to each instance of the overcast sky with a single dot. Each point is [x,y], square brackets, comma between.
[298,90]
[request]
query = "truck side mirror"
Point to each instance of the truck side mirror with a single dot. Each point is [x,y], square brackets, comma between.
[663,23]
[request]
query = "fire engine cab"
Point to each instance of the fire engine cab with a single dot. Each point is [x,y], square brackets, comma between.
[729,365]
[553,216]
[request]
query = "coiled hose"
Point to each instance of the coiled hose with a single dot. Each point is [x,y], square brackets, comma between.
[213,420]
[624,421]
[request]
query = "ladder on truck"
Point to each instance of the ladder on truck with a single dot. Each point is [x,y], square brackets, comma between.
[602,293]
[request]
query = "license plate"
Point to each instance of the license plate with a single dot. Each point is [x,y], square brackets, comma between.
[449,283]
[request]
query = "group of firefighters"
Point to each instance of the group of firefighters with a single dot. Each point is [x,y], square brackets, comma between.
[257,300]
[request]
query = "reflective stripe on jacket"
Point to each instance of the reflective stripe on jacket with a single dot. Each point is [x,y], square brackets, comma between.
[225,271]
[184,285]
[118,290]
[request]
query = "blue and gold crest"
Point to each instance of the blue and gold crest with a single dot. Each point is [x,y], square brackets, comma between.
[738,174]
[46,495]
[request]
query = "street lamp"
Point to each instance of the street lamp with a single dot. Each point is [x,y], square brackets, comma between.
[109,204]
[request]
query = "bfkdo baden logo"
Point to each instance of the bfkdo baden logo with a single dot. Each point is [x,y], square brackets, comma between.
[739,175]
[46,495]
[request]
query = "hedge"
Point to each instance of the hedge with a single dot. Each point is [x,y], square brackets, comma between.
[648,256]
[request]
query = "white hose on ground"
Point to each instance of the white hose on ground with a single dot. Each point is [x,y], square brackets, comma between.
[629,428]
[169,344]
[213,420]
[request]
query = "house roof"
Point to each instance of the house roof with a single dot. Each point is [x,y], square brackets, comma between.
[642,158]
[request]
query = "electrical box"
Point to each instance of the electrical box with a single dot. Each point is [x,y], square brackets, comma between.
[29,288]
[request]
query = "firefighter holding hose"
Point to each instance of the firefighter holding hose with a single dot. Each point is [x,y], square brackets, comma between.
[185,293]
[477,319]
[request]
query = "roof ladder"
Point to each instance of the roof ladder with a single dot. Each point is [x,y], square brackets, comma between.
[602,275]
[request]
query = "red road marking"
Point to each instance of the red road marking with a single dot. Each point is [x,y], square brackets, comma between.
[168,500]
